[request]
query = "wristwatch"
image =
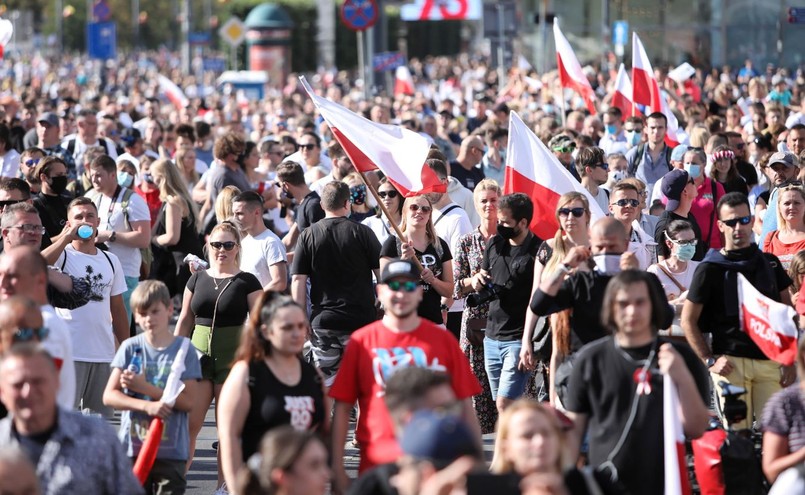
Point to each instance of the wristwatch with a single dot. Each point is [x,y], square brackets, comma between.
[113,236]
[709,362]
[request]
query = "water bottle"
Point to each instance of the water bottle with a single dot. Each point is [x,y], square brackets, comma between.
[135,365]
[85,231]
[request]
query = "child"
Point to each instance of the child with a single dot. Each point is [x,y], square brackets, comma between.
[152,308]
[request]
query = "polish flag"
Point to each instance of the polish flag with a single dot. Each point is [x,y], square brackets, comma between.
[173,92]
[6,31]
[532,169]
[403,81]
[646,90]
[394,150]
[770,324]
[570,73]
[622,97]
[676,474]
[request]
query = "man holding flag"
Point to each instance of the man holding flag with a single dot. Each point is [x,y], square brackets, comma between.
[713,305]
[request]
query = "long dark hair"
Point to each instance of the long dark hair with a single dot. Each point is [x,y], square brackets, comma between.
[253,345]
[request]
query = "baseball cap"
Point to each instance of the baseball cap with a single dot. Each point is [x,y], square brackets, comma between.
[561,141]
[672,185]
[679,152]
[786,158]
[438,438]
[777,79]
[399,268]
[130,135]
[49,118]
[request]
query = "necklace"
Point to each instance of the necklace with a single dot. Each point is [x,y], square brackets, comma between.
[218,283]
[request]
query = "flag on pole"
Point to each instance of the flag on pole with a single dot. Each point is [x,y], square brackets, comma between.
[622,97]
[403,81]
[770,324]
[173,92]
[6,31]
[676,474]
[394,150]
[646,90]
[532,169]
[570,73]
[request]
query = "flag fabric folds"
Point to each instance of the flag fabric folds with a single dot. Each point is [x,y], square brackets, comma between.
[768,323]
[570,73]
[676,474]
[622,96]
[173,92]
[646,90]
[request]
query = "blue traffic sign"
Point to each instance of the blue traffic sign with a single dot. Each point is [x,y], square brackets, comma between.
[102,40]
[101,11]
[620,33]
[199,38]
[359,15]
[387,61]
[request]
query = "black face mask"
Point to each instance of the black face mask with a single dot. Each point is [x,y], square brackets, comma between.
[58,184]
[507,232]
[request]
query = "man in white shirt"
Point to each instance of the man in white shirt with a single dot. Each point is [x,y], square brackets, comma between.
[262,253]
[86,137]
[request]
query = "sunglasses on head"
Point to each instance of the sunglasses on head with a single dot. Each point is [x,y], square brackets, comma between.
[407,286]
[415,208]
[732,222]
[576,212]
[28,334]
[388,194]
[627,202]
[308,147]
[226,246]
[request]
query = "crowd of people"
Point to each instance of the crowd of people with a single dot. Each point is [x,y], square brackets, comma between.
[232,246]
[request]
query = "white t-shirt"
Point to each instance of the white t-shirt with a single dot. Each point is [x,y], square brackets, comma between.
[259,252]
[138,212]
[381,227]
[451,227]
[90,325]
[60,346]
[10,164]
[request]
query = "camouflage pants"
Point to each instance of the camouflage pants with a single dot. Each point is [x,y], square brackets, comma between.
[327,348]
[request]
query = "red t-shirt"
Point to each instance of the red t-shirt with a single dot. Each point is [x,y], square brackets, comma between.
[152,200]
[373,353]
[702,210]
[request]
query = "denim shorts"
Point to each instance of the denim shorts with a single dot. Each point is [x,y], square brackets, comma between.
[501,358]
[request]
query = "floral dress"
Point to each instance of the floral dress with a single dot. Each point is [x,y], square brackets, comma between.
[467,262]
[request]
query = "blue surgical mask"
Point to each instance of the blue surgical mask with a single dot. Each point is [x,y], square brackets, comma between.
[693,169]
[633,138]
[685,252]
[124,179]
[611,129]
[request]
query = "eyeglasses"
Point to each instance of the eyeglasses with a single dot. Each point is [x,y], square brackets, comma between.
[10,202]
[28,334]
[30,228]
[308,147]
[627,202]
[576,212]
[682,242]
[407,286]
[226,246]
[415,208]
[388,194]
[732,222]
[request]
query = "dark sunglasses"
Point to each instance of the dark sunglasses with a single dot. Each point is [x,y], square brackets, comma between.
[732,222]
[407,286]
[603,165]
[226,246]
[10,202]
[31,162]
[415,208]
[576,212]
[28,334]
[308,147]
[627,202]
[388,194]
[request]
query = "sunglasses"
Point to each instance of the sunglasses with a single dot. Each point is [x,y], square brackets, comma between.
[627,202]
[566,149]
[407,286]
[28,334]
[226,246]
[576,212]
[415,208]
[732,222]
[30,228]
[308,147]
[603,165]
[10,202]
[31,162]
[388,194]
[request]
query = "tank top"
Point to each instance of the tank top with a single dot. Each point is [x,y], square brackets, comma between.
[274,403]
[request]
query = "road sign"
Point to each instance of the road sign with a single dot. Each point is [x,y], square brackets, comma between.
[620,33]
[359,15]
[101,11]
[796,15]
[213,64]
[102,40]
[199,38]
[387,61]
[441,10]
[233,31]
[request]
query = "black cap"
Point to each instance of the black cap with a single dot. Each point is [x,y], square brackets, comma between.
[399,268]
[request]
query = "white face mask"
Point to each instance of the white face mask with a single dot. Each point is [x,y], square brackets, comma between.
[608,263]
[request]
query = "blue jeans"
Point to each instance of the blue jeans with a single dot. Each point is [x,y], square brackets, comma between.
[500,360]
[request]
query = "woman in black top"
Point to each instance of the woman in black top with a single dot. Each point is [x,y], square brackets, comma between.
[269,385]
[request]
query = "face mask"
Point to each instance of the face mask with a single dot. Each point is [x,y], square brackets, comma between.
[58,184]
[147,177]
[548,108]
[616,176]
[611,130]
[693,169]
[633,138]
[685,252]
[124,179]
[608,263]
[507,232]
[357,194]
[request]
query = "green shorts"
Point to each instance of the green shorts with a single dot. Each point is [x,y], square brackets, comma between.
[218,352]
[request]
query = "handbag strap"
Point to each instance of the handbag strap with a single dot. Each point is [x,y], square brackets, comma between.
[673,279]
[215,308]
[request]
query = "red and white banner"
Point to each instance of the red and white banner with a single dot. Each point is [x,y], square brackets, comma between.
[622,96]
[441,10]
[403,81]
[6,32]
[532,169]
[769,323]
[173,92]
[570,73]
[646,90]
[676,474]
[394,150]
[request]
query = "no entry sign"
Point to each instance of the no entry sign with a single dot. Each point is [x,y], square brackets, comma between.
[359,15]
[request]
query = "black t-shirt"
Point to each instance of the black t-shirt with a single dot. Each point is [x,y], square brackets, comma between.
[233,306]
[376,481]
[719,299]
[468,178]
[309,211]
[602,386]
[52,211]
[511,269]
[431,300]
[338,255]
[748,172]
[659,234]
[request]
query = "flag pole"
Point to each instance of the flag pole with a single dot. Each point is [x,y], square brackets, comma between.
[563,104]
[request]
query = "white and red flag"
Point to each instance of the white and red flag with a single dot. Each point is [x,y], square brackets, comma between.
[533,170]
[6,32]
[570,74]
[403,81]
[770,324]
[646,90]
[394,150]
[676,474]
[173,92]
[622,96]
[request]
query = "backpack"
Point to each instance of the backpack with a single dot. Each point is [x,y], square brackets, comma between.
[71,147]
[641,150]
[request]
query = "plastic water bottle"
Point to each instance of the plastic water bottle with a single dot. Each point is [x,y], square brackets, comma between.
[85,232]
[135,365]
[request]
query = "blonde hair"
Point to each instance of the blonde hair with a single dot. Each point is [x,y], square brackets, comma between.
[223,203]
[500,463]
[173,185]
[486,185]
[559,247]
[429,229]
[179,159]
[782,223]
[699,136]
[230,228]
[149,292]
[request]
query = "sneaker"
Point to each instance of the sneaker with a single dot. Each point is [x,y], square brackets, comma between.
[222,491]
